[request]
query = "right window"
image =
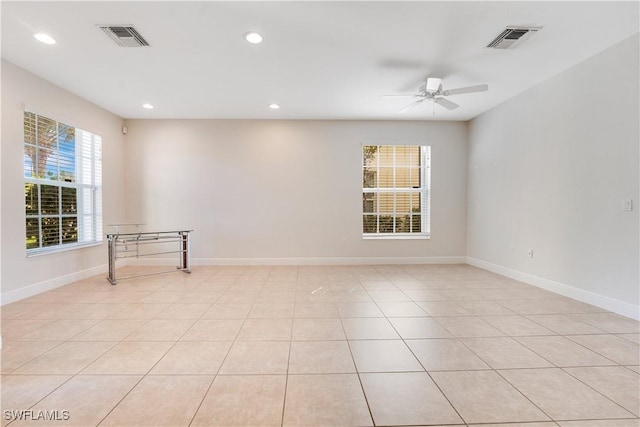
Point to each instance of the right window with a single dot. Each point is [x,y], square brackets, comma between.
[395,191]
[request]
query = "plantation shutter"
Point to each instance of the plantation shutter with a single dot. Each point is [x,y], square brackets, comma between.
[63,185]
[395,190]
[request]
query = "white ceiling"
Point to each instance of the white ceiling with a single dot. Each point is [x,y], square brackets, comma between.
[319,60]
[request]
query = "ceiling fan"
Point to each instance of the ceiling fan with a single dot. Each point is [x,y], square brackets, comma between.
[432,89]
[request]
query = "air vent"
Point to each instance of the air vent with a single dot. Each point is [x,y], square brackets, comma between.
[124,36]
[512,37]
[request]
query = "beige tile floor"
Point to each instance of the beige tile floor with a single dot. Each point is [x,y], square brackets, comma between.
[318,346]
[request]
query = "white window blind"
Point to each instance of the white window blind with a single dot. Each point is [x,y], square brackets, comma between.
[395,191]
[63,185]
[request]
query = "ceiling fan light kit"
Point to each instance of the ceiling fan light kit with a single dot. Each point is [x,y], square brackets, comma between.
[433,84]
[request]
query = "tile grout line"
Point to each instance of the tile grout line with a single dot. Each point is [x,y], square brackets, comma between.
[597,391]
[286,380]
[493,369]
[48,394]
[120,400]
[527,316]
[425,370]
[592,349]
[81,369]
[143,376]
[614,363]
[204,396]
[59,343]
[357,373]
[72,376]
[555,366]
[411,351]
[515,388]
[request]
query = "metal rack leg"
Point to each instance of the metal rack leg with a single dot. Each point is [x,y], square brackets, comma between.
[112,261]
[185,262]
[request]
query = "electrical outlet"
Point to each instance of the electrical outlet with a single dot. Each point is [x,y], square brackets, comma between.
[627,205]
[530,253]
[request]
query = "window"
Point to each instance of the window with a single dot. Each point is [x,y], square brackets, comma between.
[62,185]
[395,191]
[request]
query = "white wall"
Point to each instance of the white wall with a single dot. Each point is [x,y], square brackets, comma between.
[548,171]
[22,276]
[285,190]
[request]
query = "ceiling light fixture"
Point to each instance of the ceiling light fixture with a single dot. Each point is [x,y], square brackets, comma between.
[147,106]
[274,106]
[433,84]
[44,38]
[253,38]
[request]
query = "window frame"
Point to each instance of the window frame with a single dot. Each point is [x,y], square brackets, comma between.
[424,190]
[95,188]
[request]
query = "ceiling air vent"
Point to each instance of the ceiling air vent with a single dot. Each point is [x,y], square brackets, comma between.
[512,36]
[125,36]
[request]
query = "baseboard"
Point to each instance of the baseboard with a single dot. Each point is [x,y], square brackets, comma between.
[56,282]
[305,261]
[607,303]
[616,306]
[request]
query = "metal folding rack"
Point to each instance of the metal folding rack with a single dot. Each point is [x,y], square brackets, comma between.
[135,245]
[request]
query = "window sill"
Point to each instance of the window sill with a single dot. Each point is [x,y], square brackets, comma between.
[57,249]
[396,237]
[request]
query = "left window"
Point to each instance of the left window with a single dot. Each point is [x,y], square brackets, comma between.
[62,185]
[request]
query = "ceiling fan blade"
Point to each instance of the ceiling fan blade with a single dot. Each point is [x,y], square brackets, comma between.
[468,89]
[446,103]
[400,96]
[410,106]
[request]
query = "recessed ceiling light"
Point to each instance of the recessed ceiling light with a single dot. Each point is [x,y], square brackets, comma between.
[274,106]
[147,106]
[253,38]
[44,38]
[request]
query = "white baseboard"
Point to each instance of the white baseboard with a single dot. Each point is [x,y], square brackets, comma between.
[53,283]
[304,261]
[607,303]
[56,282]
